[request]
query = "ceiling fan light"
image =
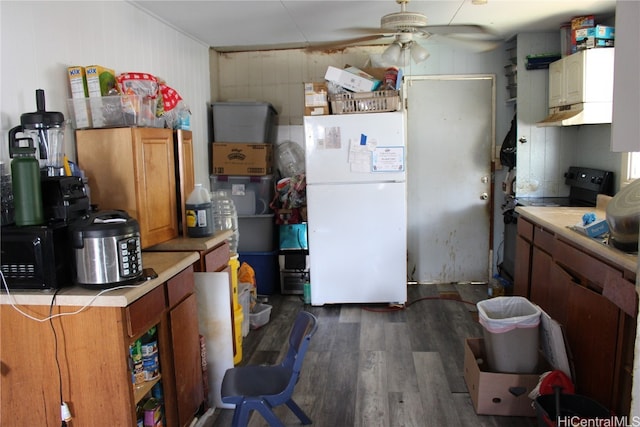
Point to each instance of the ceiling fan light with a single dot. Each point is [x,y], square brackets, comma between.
[419,53]
[391,54]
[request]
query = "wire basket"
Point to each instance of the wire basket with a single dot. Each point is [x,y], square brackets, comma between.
[365,102]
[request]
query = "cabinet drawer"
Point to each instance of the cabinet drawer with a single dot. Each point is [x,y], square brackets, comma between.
[180,285]
[586,267]
[525,229]
[218,258]
[544,239]
[145,312]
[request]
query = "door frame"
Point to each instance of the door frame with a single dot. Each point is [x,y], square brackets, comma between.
[494,164]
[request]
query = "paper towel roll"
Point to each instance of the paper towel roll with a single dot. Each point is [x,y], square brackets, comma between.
[214,318]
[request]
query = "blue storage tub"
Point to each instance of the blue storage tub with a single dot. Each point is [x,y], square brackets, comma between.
[267,269]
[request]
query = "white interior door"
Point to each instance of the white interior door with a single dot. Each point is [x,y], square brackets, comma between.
[450,132]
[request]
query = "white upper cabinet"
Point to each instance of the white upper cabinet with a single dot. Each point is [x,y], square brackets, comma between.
[585,76]
[625,129]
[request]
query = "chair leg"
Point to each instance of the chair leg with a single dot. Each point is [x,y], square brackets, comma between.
[304,419]
[240,416]
[267,413]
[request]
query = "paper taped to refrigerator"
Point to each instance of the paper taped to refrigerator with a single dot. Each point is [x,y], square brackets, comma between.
[360,155]
[388,159]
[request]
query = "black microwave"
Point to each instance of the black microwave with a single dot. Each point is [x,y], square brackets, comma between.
[36,257]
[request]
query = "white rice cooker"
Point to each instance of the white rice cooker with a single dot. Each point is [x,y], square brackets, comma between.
[106,247]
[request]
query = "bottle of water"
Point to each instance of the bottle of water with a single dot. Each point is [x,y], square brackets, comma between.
[225,216]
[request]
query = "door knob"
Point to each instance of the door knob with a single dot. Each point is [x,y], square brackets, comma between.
[484,196]
[484,179]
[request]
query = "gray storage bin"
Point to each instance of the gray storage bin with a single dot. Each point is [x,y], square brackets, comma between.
[256,233]
[244,122]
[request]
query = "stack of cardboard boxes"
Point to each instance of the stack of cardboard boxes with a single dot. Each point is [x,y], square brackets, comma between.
[583,33]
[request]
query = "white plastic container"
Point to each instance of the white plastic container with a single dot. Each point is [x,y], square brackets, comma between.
[260,315]
[198,213]
[510,333]
[289,158]
[225,217]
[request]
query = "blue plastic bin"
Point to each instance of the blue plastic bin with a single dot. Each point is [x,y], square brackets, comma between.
[267,269]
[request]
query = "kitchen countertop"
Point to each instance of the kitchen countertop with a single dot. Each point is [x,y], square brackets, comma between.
[192,243]
[166,265]
[559,219]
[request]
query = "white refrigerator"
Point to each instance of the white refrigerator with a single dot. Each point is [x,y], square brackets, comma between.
[356,208]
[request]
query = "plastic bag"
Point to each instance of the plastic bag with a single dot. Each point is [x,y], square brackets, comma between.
[504,314]
[246,274]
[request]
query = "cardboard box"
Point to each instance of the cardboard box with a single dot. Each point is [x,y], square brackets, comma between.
[496,393]
[599,31]
[594,229]
[352,79]
[577,23]
[582,22]
[79,91]
[242,159]
[100,81]
[593,37]
[315,99]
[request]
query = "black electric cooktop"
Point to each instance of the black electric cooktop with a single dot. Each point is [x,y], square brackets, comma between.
[584,186]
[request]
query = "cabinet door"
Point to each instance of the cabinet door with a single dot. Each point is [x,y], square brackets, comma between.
[187,362]
[541,291]
[521,282]
[573,78]
[591,328]
[556,83]
[155,178]
[185,172]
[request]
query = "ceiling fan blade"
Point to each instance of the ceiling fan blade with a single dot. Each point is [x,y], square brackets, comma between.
[456,29]
[476,45]
[346,43]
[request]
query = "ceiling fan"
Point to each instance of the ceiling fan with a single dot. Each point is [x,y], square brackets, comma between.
[403,29]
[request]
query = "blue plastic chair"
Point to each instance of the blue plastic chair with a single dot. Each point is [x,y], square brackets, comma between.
[263,387]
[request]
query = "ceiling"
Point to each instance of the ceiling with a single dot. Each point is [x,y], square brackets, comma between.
[241,25]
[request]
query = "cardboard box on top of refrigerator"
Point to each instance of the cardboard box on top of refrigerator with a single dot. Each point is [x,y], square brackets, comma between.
[100,82]
[352,78]
[315,99]
[245,159]
[79,91]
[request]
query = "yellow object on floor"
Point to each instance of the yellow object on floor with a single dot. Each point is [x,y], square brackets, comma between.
[238,317]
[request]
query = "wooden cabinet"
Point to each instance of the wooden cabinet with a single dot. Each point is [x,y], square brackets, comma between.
[133,169]
[568,283]
[91,347]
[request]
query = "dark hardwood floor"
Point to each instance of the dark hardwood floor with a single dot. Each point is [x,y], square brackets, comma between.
[368,365]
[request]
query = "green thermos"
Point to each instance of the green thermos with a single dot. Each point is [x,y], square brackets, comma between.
[25,179]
